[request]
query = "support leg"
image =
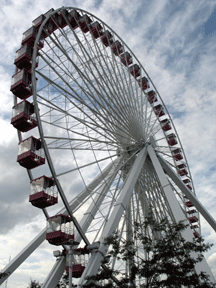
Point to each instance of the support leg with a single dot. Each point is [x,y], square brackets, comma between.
[56,273]
[23,255]
[90,213]
[33,245]
[187,193]
[175,207]
[123,200]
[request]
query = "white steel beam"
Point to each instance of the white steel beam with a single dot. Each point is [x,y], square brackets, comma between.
[56,273]
[129,237]
[95,205]
[143,200]
[112,223]
[172,201]
[23,255]
[89,215]
[92,185]
[33,245]
[84,223]
[176,209]
[145,209]
[187,192]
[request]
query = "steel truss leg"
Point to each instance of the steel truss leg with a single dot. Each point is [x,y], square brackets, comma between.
[143,201]
[175,207]
[51,280]
[145,210]
[187,193]
[95,205]
[119,208]
[56,273]
[33,245]
[129,237]
[23,255]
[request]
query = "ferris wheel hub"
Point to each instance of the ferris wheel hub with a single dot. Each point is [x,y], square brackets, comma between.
[89,108]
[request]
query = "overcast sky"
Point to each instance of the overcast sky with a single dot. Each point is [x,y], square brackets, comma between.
[176,43]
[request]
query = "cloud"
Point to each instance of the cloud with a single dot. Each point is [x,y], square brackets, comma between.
[169,40]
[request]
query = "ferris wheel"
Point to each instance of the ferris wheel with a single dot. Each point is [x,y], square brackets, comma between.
[96,136]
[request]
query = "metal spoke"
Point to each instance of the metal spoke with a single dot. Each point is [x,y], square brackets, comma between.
[96,117]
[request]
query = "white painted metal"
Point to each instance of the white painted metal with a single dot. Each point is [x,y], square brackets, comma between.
[96,203]
[99,107]
[23,255]
[121,205]
[129,238]
[188,193]
[30,248]
[90,213]
[177,211]
[81,197]
[55,274]
[70,265]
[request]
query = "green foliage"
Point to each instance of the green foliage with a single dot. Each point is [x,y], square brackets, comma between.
[3,274]
[63,283]
[168,262]
[34,284]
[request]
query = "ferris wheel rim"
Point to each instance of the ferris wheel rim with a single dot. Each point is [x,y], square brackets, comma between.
[34,81]
[135,152]
[134,56]
[137,61]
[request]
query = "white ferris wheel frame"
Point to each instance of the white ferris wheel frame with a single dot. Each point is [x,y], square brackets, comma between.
[147,149]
